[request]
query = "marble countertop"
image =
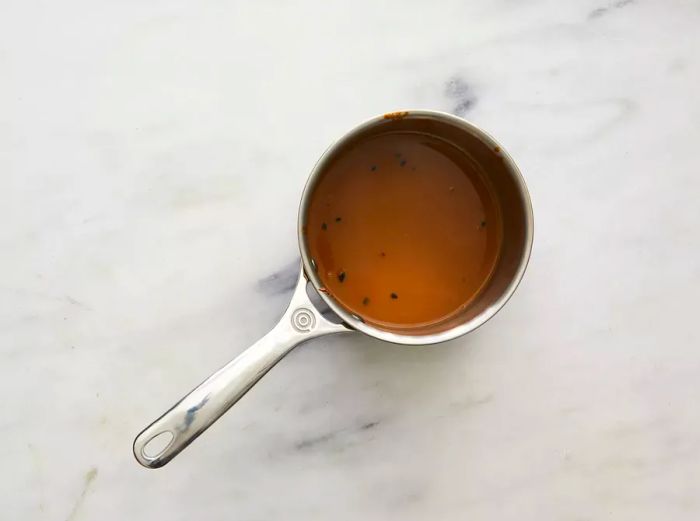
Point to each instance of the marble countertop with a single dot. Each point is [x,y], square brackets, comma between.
[152,155]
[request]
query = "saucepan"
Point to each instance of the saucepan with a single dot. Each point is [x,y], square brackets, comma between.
[167,436]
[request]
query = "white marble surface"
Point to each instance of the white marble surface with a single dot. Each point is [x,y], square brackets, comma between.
[151,157]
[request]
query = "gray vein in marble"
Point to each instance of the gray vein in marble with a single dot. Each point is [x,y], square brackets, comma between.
[461,95]
[31,293]
[601,11]
[341,434]
[281,282]
[311,442]
[76,302]
[469,403]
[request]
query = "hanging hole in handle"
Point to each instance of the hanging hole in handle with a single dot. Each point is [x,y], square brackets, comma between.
[157,445]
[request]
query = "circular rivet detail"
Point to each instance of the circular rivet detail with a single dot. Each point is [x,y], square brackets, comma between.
[303,320]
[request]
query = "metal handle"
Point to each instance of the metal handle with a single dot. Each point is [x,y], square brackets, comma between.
[192,415]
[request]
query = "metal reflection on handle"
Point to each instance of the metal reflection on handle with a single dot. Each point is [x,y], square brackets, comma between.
[192,415]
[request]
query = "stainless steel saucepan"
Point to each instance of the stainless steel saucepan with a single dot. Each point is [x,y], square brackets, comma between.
[161,441]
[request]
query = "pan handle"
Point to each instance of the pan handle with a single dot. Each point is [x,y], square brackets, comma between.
[166,437]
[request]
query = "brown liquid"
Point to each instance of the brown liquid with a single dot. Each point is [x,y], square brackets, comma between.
[404,229]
